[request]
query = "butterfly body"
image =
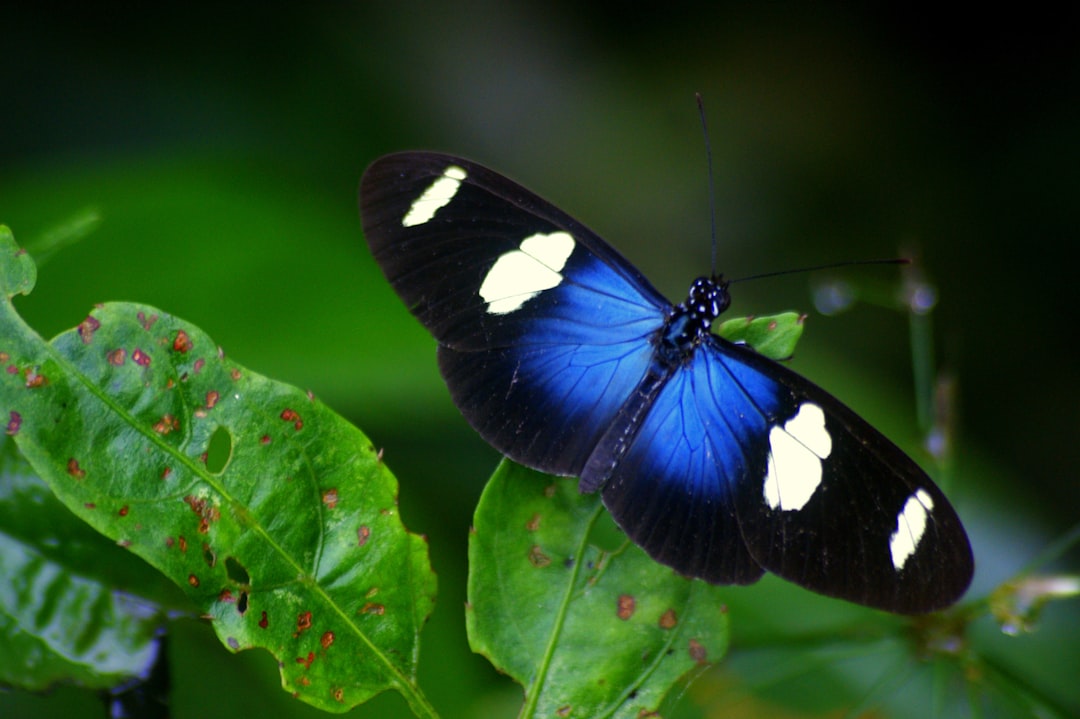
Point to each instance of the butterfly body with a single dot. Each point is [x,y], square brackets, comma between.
[716,460]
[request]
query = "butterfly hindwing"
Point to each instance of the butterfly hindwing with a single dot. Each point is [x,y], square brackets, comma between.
[670,479]
[717,461]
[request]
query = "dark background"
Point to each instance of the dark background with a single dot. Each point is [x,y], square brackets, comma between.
[222,147]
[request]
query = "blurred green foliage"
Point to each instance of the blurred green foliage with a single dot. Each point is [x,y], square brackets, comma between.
[221,148]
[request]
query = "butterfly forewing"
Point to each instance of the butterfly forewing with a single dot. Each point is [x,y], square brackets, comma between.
[542,328]
[842,511]
[718,462]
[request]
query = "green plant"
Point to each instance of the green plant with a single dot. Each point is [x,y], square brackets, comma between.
[215,492]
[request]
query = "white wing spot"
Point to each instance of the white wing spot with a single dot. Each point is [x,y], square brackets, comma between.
[796,451]
[521,274]
[910,527]
[437,196]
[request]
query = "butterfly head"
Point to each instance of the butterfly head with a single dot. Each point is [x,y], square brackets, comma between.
[690,321]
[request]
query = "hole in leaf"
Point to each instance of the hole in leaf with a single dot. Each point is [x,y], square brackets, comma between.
[236,572]
[219,450]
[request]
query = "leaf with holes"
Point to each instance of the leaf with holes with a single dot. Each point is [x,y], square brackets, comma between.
[274,514]
[586,632]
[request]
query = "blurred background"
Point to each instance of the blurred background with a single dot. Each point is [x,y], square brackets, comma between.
[222,148]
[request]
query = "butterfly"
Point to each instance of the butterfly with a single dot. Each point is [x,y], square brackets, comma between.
[718,462]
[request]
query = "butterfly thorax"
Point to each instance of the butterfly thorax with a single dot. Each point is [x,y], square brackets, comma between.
[691,321]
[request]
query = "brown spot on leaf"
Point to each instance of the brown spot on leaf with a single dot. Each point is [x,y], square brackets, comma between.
[146,322]
[564,710]
[226,596]
[87,328]
[626,604]
[193,580]
[182,541]
[14,423]
[123,511]
[326,639]
[306,661]
[212,398]
[264,621]
[697,652]
[199,364]
[373,608]
[207,512]
[235,374]
[330,498]
[362,535]
[534,523]
[90,505]
[303,622]
[291,415]
[265,439]
[549,491]
[537,557]
[668,620]
[182,343]
[166,472]
[169,542]
[116,357]
[74,469]
[167,424]
[140,358]
[35,380]
[339,695]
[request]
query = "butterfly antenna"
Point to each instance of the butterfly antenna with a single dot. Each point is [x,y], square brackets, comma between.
[829,266]
[712,193]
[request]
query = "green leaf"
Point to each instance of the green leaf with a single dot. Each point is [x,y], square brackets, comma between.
[60,621]
[18,273]
[774,336]
[588,633]
[274,514]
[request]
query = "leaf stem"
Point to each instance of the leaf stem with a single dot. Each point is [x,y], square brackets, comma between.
[532,695]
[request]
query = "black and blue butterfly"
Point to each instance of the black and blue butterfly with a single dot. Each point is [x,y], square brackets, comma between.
[717,461]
